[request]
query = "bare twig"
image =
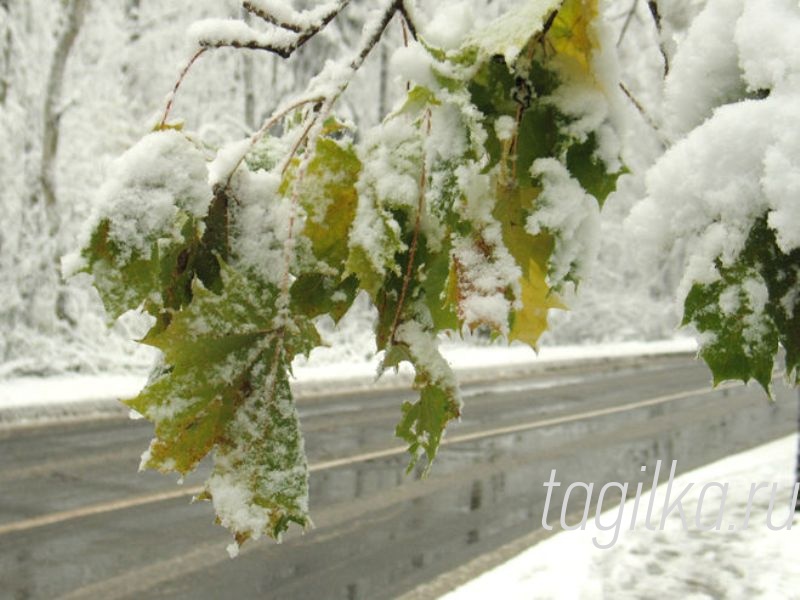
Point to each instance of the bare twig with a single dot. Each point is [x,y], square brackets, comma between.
[407,20]
[628,20]
[177,86]
[642,111]
[653,6]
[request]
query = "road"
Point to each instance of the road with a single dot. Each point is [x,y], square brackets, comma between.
[77,521]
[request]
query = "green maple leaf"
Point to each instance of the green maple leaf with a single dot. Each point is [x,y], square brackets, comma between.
[144,247]
[328,195]
[749,310]
[126,279]
[423,422]
[225,388]
[732,351]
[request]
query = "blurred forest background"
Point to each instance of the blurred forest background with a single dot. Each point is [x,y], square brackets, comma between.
[81,80]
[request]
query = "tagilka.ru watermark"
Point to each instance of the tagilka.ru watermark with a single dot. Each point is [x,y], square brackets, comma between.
[673,504]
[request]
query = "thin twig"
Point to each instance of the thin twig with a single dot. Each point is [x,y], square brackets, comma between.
[412,27]
[295,26]
[255,10]
[653,6]
[355,65]
[269,124]
[178,83]
[642,111]
[628,20]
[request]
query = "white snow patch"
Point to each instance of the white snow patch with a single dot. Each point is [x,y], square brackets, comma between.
[756,563]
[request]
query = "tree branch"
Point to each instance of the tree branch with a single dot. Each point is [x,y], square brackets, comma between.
[303,24]
[628,19]
[298,22]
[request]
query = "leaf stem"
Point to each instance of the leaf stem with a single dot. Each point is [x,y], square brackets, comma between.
[412,252]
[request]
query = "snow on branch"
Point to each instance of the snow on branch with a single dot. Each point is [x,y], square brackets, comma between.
[289,29]
[277,12]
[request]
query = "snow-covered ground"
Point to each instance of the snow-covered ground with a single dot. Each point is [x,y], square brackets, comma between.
[674,563]
[26,392]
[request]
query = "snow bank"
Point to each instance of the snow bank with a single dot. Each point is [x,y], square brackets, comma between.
[751,563]
[66,389]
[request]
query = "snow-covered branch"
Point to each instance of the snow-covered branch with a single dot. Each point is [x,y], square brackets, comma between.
[289,29]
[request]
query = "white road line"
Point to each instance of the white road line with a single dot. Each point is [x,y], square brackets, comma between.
[96,509]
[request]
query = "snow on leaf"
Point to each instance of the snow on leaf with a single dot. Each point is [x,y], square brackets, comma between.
[328,196]
[225,388]
[126,279]
[147,229]
[509,34]
[752,307]
[423,422]
[531,253]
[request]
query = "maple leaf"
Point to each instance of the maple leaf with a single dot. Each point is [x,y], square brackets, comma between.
[423,422]
[571,34]
[225,388]
[749,310]
[531,254]
[328,195]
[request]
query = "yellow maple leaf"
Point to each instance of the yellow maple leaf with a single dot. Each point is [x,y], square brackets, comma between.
[532,254]
[570,34]
[530,321]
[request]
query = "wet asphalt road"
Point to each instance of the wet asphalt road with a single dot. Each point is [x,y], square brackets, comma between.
[77,521]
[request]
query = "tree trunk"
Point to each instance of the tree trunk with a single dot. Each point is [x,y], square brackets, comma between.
[134,32]
[5,51]
[74,12]
[383,91]
[248,84]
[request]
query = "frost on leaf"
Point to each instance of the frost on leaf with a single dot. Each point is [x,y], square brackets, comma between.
[225,388]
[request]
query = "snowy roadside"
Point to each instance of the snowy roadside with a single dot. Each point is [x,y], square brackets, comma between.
[755,562]
[67,396]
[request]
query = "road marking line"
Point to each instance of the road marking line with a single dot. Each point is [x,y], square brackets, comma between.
[105,507]
[96,509]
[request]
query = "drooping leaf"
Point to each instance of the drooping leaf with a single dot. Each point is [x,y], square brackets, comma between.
[531,254]
[748,311]
[225,388]
[328,195]
[423,422]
